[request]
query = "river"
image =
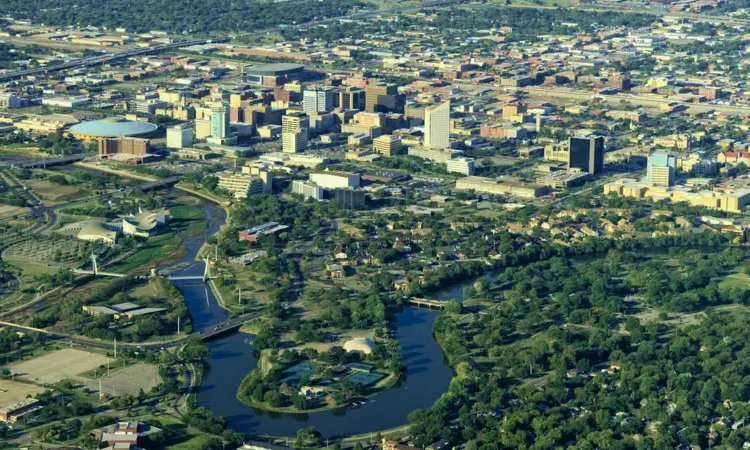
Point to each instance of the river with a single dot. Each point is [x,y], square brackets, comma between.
[231,359]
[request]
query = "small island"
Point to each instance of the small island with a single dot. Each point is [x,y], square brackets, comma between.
[317,377]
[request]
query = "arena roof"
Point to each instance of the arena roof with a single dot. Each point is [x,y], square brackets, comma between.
[276,69]
[114,127]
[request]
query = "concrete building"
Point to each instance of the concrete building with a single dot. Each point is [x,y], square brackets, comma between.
[462,165]
[383,98]
[437,155]
[202,128]
[501,187]
[317,100]
[265,175]
[295,129]
[179,136]
[661,167]
[351,98]
[720,198]
[12,413]
[556,152]
[219,121]
[9,100]
[387,145]
[241,185]
[130,146]
[437,125]
[349,198]
[586,154]
[308,190]
[333,180]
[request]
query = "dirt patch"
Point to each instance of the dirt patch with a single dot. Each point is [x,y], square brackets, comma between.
[12,392]
[55,193]
[128,380]
[59,365]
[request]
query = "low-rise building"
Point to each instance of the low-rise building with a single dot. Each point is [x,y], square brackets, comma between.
[502,187]
[721,198]
[241,185]
[252,234]
[333,179]
[308,189]
[462,165]
[437,155]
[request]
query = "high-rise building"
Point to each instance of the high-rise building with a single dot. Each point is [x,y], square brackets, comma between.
[317,100]
[437,123]
[219,121]
[179,136]
[586,154]
[295,129]
[351,98]
[661,168]
[384,98]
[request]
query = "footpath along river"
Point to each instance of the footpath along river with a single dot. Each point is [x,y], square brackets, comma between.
[427,373]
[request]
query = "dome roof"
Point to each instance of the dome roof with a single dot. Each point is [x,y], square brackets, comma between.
[113,127]
[360,345]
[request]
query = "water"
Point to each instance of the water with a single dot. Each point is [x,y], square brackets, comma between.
[427,372]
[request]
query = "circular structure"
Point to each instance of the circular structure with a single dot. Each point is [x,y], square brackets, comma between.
[359,345]
[112,128]
[275,70]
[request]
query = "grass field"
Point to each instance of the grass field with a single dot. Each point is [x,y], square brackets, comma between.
[53,193]
[128,380]
[7,211]
[13,392]
[59,365]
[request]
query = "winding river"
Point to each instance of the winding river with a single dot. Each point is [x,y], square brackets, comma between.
[427,373]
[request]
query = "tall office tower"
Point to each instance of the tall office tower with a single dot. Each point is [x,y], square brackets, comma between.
[661,168]
[295,129]
[351,98]
[179,136]
[317,100]
[586,154]
[384,98]
[437,124]
[219,121]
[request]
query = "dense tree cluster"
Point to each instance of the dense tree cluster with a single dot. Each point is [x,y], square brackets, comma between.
[206,16]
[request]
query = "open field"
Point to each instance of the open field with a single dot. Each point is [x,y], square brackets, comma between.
[128,380]
[54,193]
[7,211]
[13,392]
[57,366]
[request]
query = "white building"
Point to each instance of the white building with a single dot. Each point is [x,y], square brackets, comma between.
[179,136]
[437,123]
[308,190]
[317,100]
[462,165]
[66,102]
[333,180]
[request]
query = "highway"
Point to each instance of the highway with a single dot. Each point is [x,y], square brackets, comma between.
[97,60]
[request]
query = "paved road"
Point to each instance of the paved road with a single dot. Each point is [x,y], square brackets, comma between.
[43,216]
[204,334]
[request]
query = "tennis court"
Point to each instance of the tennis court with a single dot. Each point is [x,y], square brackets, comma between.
[364,378]
[295,373]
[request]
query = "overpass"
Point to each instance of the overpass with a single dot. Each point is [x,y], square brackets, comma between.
[208,333]
[97,60]
[44,163]
[154,185]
